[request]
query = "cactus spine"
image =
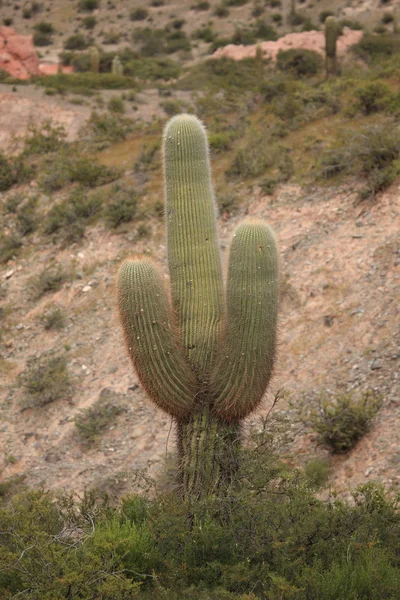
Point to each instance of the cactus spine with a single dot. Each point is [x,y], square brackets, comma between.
[206,359]
[116,66]
[94,55]
[331,34]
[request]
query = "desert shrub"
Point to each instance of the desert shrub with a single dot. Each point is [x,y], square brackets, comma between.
[171,107]
[68,168]
[317,471]
[12,202]
[89,22]
[69,218]
[45,380]
[44,27]
[153,68]
[299,62]
[219,141]
[341,421]
[102,129]
[122,208]
[371,153]
[27,219]
[7,22]
[373,96]
[93,421]
[269,537]
[236,2]
[351,24]
[223,74]
[85,83]
[221,11]
[44,139]
[374,47]
[256,156]
[265,32]
[204,5]
[9,246]
[53,318]
[246,37]
[139,14]
[88,5]
[204,33]
[50,280]
[7,176]
[116,104]
[76,42]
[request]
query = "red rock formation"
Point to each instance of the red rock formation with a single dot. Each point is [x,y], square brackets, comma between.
[18,54]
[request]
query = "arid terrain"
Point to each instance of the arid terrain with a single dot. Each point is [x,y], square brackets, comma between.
[340,269]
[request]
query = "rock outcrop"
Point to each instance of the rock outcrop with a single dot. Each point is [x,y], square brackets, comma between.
[18,55]
[310,40]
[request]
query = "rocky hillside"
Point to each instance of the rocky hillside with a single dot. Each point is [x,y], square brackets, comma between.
[85,190]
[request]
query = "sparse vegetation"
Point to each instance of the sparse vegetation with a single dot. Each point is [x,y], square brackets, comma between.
[341,421]
[93,421]
[53,318]
[49,280]
[122,206]
[45,380]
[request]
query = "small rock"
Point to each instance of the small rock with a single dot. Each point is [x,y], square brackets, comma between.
[86,288]
[377,363]
[19,326]
[9,274]
[368,471]
[80,255]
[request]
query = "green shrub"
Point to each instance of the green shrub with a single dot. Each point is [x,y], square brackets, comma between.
[88,5]
[299,62]
[171,107]
[116,104]
[13,171]
[221,11]
[68,168]
[122,208]
[373,97]
[69,218]
[50,280]
[374,47]
[76,42]
[103,129]
[89,22]
[27,219]
[44,139]
[139,14]
[7,177]
[93,421]
[318,471]
[45,380]
[371,153]
[204,33]
[202,6]
[153,68]
[44,27]
[340,422]
[9,246]
[53,318]
[85,83]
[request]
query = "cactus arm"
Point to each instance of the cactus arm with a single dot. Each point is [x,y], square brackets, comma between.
[151,340]
[244,368]
[193,254]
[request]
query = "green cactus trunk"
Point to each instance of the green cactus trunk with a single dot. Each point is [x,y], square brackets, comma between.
[208,454]
[207,357]
[331,34]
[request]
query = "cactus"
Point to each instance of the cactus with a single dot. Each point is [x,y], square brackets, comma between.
[94,59]
[331,34]
[207,356]
[116,66]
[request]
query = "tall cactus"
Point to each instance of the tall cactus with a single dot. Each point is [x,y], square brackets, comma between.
[206,358]
[331,34]
[94,56]
[116,66]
